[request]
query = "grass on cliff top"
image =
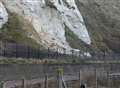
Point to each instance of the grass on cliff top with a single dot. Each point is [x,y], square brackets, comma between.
[16,30]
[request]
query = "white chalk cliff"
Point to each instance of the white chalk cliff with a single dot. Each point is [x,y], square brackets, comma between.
[3,15]
[49,18]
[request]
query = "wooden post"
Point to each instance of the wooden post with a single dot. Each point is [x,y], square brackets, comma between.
[46,81]
[1,48]
[38,54]
[4,51]
[60,74]
[63,82]
[60,81]
[108,79]
[23,83]
[72,53]
[57,56]
[56,53]
[80,77]
[64,50]
[16,50]
[96,80]
[79,54]
[48,52]
[28,52]
[1,84]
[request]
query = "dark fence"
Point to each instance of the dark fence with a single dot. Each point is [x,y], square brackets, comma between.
[72,78]
[16,50]
[24,51]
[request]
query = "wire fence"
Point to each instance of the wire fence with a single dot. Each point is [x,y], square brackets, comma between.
[84,78]
[19,50]
[16,50]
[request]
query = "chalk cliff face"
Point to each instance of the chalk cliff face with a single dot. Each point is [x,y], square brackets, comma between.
[49,19]
[102,19]
[3,15]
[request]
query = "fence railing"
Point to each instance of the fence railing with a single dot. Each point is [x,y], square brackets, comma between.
[92,78]
[16,50]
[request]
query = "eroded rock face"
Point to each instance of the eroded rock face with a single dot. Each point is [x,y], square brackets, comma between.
[49,18]
[72,18]
[102,18]
[3,15]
